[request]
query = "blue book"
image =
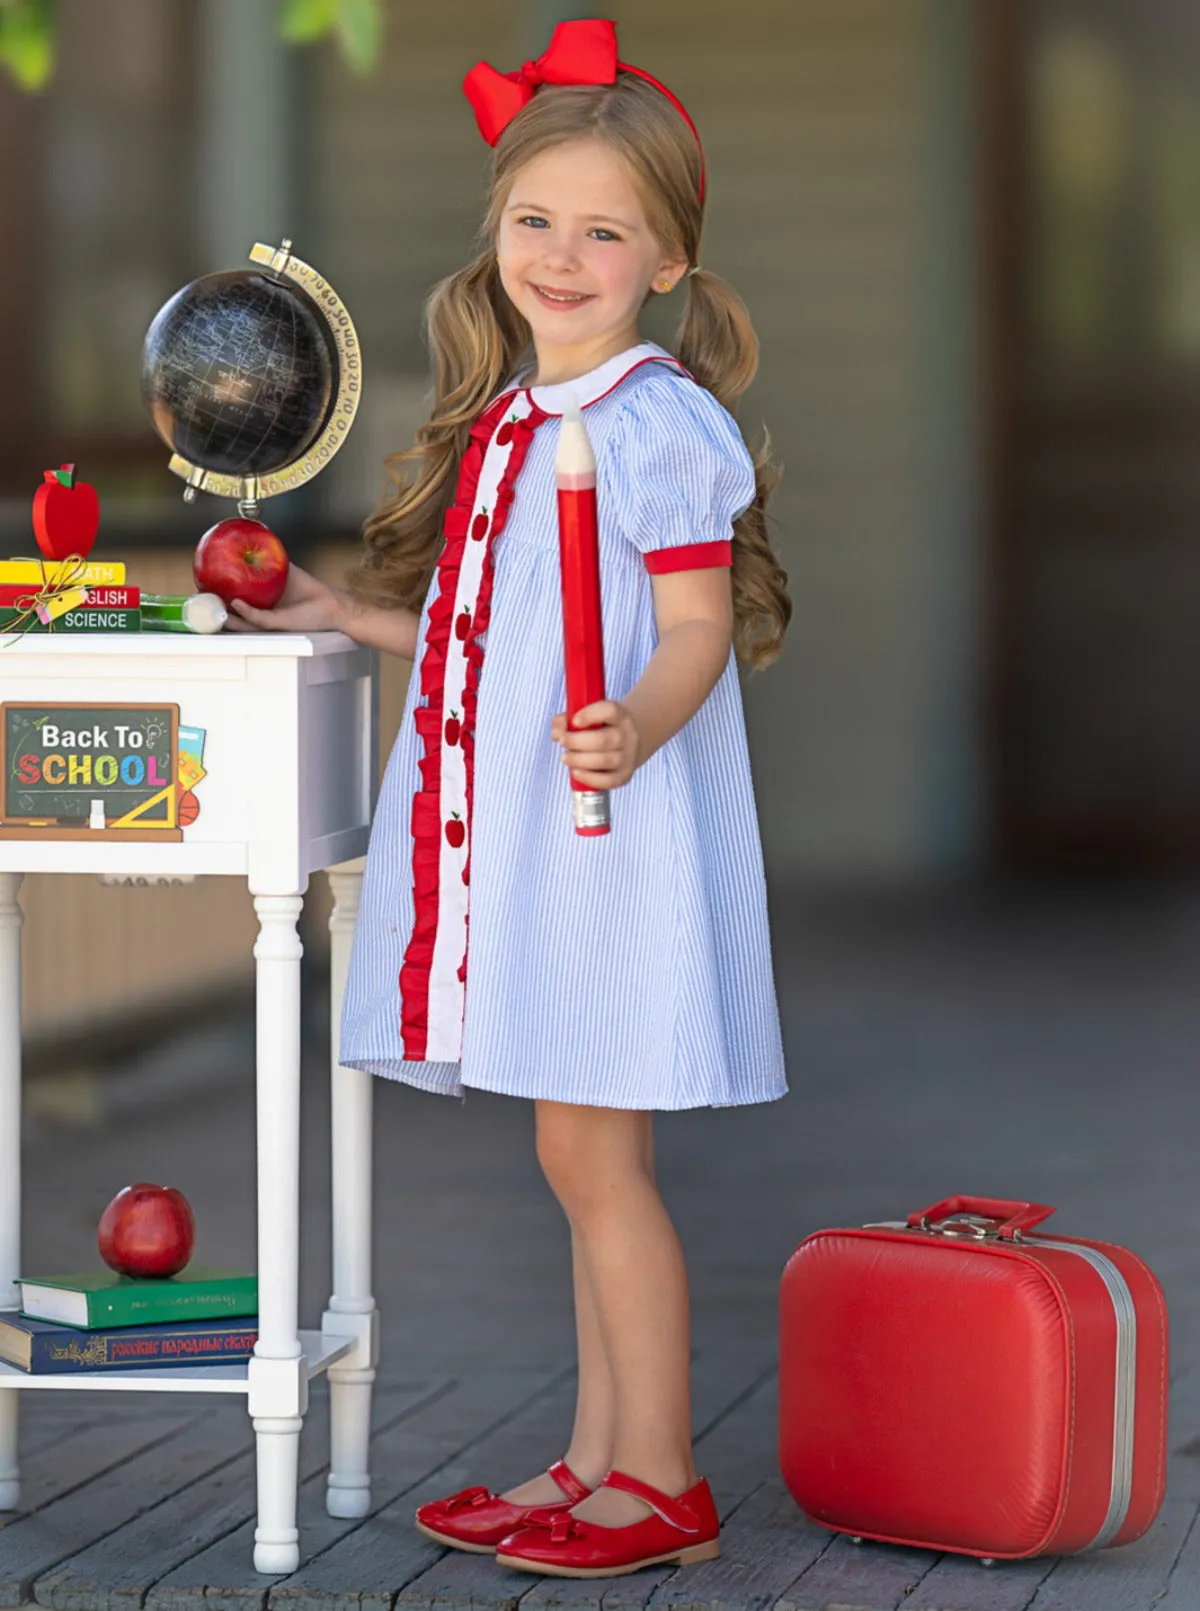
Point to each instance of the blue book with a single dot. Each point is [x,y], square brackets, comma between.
[43,1349]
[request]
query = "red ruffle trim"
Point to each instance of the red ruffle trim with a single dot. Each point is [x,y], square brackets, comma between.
[426,825]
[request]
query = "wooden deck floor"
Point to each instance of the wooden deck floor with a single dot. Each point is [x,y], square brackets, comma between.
[1015,1048]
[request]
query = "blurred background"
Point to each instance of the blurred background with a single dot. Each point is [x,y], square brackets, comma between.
[969,235]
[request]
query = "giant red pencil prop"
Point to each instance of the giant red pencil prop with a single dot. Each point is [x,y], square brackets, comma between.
[583,638]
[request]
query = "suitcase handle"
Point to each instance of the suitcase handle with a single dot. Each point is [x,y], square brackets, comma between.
[1015,1217]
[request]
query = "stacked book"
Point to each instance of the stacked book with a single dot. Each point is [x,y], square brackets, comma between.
[95,598]
[113,1322]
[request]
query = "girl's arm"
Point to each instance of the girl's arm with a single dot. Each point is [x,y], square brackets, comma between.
[310,605]
[394,631]
[694,614]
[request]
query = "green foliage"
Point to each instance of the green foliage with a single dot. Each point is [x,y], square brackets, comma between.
[27,40]
[360,28]
[27,33]
[301,21]
[357,25]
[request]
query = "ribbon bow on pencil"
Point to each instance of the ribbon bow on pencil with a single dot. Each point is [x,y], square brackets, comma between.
[583,51]
[32,607]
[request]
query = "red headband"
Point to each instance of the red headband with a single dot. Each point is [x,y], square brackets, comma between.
[581,52]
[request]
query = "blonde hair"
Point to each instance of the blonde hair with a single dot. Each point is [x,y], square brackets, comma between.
[477,339]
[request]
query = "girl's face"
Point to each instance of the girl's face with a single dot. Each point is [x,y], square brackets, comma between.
[577,256]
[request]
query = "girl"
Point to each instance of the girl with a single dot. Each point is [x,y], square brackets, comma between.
[606,977]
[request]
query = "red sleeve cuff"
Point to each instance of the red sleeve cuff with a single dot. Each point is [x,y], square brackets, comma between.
[689,557]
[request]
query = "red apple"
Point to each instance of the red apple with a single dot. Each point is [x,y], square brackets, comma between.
[66,514]
[453,726]
[479,526]
[456,831]
[241,559]
[462,625]
[147,1231]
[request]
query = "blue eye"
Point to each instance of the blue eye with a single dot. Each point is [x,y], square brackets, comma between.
[534,222]
[605,234]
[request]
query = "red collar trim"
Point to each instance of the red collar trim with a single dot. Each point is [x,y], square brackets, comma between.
[599,382]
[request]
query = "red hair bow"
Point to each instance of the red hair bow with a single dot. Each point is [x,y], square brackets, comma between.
[580,52]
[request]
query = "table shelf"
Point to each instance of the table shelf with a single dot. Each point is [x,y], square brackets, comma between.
[282,730]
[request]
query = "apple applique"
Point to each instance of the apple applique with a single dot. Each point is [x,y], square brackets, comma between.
[456,831]
[453,728]
[462,625]
[479,526]
[66,514]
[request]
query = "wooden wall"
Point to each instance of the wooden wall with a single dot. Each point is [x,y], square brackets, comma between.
[834,131]
[839,162]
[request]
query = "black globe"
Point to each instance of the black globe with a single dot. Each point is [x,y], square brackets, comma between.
[239,372]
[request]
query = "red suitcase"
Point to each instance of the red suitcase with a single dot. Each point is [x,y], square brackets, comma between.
[957,1383]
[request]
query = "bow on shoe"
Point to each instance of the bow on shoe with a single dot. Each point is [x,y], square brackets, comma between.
[467,1498]
[581,52]
[560,1524]
[565,1527]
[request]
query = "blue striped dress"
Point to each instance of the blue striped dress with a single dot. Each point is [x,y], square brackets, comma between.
[495,947]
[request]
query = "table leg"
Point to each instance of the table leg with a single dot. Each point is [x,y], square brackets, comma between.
[351,1310]
[278,1386]
[10,1158]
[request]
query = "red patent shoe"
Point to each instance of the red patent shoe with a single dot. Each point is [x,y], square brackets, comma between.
[476,1519]
[681,1530]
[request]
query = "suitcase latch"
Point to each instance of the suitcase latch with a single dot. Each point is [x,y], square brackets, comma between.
[975,1226]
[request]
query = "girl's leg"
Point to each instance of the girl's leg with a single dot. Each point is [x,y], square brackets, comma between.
[599,1164]
[589,1454]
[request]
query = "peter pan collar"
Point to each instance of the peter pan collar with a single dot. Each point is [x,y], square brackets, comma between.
[587,389]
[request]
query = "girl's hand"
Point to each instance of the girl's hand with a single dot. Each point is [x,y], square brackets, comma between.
[599,757]
[306,605]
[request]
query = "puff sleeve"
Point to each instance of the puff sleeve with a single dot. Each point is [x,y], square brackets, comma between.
[676,474]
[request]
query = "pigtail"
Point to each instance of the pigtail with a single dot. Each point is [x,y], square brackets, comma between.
[716,343]
[475,339]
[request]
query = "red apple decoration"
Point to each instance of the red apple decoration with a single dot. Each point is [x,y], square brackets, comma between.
[147,1230]
[456,830]
[479,526]
[241,559]
[453,727]
[462,625]
[66,514]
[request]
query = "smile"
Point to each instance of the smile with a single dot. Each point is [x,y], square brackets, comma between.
[565,299]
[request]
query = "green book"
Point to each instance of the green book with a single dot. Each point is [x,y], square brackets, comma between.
[97,1301]
[84,620]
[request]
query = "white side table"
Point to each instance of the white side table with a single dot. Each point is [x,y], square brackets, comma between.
[283,728]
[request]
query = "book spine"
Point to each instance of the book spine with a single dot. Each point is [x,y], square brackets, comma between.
[107,574]
[14,596]
[76,620]
[117,1308]
[52,1356]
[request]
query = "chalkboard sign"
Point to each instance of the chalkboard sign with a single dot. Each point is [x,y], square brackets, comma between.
[95,768]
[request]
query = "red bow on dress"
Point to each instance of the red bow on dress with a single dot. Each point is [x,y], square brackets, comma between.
[580,52]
